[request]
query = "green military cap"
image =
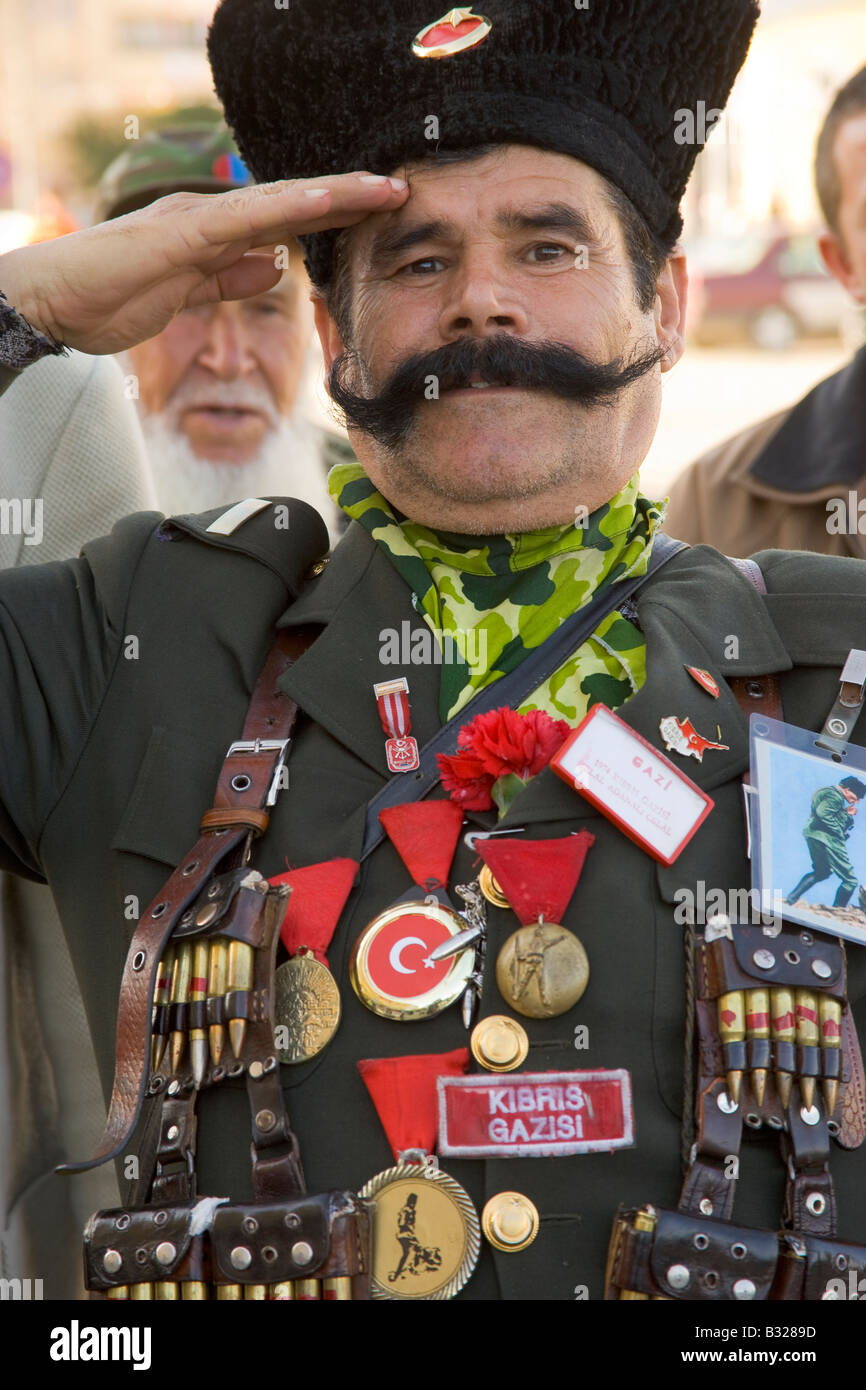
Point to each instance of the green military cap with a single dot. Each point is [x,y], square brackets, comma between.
[200,158]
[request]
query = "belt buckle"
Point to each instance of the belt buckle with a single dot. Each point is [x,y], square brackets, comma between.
[265,745]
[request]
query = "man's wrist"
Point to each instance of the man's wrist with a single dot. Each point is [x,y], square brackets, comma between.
[21,343]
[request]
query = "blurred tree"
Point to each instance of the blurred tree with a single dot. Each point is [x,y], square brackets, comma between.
[93,141]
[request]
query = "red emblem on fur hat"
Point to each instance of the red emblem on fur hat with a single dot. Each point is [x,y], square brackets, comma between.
[453,33]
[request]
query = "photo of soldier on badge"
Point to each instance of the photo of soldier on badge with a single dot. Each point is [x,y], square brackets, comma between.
[811,860]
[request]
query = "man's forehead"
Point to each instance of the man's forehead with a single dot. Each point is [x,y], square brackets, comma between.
[510,185]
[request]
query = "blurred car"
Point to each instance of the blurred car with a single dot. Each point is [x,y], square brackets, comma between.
[771,288]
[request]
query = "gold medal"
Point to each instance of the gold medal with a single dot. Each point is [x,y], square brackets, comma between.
[426,1235]
[391,966]
[542,970]
[490,888]
[306,1008]
[499,1043]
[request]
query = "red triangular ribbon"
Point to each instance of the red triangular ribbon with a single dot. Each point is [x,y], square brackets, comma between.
[424,834]
[537,877]
[403,1090]
[319,893]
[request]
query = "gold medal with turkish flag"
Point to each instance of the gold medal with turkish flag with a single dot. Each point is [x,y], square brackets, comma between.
[392,968]
[542,970]
[456,31]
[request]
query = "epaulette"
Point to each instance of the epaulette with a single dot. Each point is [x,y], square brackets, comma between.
[283,533]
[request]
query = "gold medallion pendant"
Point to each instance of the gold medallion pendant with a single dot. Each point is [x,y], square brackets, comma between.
[392,967]
[306,1008]
[426,1235]
[542,970]
[491,889]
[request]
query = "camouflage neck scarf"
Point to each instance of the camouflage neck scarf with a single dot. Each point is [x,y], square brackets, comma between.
[490,599]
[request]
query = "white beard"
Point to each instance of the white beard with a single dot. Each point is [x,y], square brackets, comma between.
[289,463]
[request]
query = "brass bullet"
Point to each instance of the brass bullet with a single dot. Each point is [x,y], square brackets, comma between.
[181,976]
[216,988]
[830,1027]
[240,978]
[161,1000]
[758,1039]
[732,1031]
[198,1048]
[783,1030]
[337,1290]
[308,1290]
[229,1292]
[166,1290]
[808,1038]
[257,1292]
[194,1291]
[141,1292]
[121,1292]
[283,1292]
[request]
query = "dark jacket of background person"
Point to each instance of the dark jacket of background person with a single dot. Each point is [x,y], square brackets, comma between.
[770,485]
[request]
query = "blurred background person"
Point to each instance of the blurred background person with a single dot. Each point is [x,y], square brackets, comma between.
[795,480]
[59,422]
[218,389]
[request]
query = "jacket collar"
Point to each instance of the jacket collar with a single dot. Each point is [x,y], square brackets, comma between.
[684,611]
[821,445]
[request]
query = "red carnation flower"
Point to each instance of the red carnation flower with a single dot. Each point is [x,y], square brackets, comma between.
[499,744]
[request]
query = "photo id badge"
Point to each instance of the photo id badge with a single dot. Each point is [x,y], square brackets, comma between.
[807,814]
[633,784]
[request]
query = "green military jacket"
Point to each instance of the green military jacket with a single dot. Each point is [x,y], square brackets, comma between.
[829,820]
[124,676]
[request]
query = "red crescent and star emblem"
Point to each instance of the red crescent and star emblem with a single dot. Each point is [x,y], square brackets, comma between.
[455,32]
[398,959]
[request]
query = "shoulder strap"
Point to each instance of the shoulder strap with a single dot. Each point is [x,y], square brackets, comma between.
[511,690]
[756,694]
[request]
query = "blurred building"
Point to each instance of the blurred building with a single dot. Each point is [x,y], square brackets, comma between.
[757,166]
[60,59]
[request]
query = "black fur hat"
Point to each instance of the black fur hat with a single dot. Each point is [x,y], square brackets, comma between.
[319,87]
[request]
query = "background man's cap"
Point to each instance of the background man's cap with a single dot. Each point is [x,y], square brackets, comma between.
[188,159]
[324,88]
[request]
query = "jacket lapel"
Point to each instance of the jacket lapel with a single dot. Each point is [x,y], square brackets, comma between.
[358,599]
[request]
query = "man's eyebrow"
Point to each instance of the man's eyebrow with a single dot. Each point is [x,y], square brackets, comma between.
[394,241]
[553,217]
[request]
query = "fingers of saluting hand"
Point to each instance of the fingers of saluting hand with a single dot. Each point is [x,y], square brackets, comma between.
[264,213]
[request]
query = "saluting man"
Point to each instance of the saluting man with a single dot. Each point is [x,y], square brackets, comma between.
[498,291]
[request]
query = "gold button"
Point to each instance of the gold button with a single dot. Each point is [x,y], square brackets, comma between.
[510,1221]
[317,568]
[490,888]
[499,1043]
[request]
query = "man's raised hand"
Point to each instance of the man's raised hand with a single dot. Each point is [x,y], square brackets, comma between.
[116,284]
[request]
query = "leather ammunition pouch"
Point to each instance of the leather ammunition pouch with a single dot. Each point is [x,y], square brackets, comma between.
[663,1255]
[220,1245]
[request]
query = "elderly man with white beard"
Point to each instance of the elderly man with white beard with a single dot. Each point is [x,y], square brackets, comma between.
[218,389]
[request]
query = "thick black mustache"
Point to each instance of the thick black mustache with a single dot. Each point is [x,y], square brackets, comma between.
[500,360]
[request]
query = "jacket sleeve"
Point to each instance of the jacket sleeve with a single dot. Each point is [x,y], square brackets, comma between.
[61,633]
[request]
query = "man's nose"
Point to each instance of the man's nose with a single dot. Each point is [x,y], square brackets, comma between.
[227,350]
[482,300]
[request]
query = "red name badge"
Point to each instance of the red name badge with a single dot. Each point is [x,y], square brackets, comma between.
[630,782]
[535,1114]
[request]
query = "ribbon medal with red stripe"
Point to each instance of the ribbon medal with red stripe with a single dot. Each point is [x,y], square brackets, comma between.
[401,749]
[417,957]
[426,1235]
[542,970]
[306,996]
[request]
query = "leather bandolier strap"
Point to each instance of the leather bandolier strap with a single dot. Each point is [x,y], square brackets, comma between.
[246,788]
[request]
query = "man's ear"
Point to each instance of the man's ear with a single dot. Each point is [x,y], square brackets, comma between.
[835,258]
[672,294]
[329,334]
